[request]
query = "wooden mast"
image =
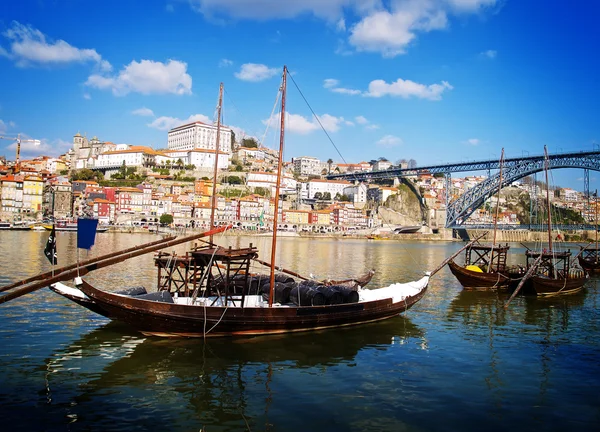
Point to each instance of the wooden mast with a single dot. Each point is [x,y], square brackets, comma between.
[491,264]
[596,217]
[214,188]
[498,203]
[548,199]
[277,187]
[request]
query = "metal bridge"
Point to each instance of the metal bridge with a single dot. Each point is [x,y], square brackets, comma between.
[513,169]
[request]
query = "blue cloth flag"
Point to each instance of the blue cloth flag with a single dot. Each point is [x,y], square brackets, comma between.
[86,233]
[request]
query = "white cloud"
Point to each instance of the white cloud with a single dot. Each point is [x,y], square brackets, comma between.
[165,123]
[144,112]
[389,141]
[87,96]
[372,127]
[491,54]
[407,89]
[295,123]
[225,63]
[471,5]
[387,27]
[29,47]
[146,77]
[271,9]
[473,141]
[347,91]
[361,120]
[330,83]
[255,72]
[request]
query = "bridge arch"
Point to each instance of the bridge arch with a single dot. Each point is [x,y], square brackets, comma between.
[461,208]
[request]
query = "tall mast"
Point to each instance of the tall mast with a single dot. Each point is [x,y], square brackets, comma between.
[214,188]
[548,200]
[498,202]
[277,187]
[596,212]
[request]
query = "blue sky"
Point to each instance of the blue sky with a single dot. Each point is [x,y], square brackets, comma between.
[431,80]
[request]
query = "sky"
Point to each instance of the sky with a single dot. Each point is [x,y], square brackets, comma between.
[431,80]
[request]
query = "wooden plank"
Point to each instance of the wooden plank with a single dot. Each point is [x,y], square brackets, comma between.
[104,262]
[82,263]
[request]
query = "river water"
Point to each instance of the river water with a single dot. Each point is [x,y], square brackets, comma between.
[457,361]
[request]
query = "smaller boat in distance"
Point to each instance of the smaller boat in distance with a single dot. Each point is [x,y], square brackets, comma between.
[5,225]
[70,225]
[406,229]
[589,257]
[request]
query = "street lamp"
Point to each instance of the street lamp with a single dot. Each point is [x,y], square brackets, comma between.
[19,141]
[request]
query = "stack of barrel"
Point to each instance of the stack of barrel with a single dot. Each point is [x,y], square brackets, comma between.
[304,293]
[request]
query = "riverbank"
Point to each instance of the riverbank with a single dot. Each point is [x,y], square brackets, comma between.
[443,235]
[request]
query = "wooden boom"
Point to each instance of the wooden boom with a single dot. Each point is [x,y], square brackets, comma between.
[105,261]
[82,263]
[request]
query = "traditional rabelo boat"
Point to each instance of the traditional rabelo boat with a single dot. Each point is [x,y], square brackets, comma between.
[589,257]
[212,290]
[550,272]
[484,267]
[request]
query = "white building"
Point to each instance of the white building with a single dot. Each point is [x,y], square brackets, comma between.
[199,157]
[269,180]
[134,156]
[357,194]
[199,135]
[307,165]
[332,186]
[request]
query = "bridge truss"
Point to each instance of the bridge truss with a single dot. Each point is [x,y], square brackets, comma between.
[513,169]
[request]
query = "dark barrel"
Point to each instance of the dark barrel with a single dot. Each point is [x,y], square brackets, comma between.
[303,295]
[132,291]
[282,292]
[283,278]
[332,295]
[349,295]
[311,283]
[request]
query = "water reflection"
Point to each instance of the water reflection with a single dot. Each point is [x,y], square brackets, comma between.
[225,382]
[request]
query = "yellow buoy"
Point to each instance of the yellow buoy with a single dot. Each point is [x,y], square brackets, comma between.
[474,268]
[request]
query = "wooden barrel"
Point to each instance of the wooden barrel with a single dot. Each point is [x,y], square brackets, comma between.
[303,295]
[283,278]
[332,295]
[132,291]
[282,292]
[349,295]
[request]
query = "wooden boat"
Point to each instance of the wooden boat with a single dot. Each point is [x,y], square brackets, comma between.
[589,258]
[553,274]
[484,268]
[211,291]
[485,265]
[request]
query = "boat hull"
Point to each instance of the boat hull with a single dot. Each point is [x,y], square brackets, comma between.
[181,320]
[479,280]
[547,287]
[589,265]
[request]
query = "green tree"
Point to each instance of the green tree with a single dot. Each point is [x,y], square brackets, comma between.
[235,180]
[318,195]
[166,219]
[327,196]
[329,162]
[249,143]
